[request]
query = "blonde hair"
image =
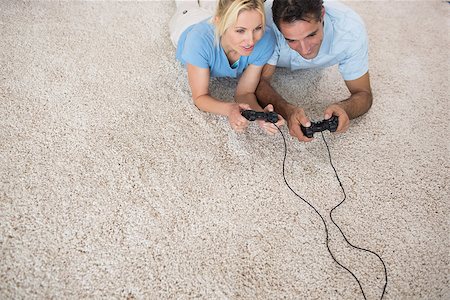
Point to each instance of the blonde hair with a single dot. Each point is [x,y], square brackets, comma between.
[227,12]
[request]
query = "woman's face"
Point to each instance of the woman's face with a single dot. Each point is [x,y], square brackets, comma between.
[244,34]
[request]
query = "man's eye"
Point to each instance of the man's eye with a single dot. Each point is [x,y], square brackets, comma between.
[240,31]
[258,28]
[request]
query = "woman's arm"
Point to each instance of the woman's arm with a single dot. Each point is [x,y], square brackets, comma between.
[245,90]
[245,93]
[199,83]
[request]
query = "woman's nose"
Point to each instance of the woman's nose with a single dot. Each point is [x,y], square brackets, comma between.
[250,38]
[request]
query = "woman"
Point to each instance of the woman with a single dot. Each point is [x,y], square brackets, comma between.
[234,43]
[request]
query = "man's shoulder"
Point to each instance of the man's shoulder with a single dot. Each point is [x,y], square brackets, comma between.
[345,20]
[348,40]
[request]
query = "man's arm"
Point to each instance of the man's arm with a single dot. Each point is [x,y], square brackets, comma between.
[361,98]
[356,105]
[294,115]
[266,94]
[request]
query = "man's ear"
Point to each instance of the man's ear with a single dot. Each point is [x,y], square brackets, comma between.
[322,13]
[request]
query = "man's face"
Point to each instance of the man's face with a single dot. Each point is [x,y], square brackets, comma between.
[305,37]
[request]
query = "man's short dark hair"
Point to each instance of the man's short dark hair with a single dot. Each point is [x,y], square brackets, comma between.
[289,11]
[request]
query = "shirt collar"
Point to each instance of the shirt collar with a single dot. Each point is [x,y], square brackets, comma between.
[325,48]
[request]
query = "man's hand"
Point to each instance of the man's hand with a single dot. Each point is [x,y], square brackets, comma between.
[297,116]
[270,127]
[293,115]
[356,105]
[344,121]
[237,121]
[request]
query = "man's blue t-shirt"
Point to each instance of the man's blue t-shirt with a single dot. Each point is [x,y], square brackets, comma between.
[196,46]
[344,43]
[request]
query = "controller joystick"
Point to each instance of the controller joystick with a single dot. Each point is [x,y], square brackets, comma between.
[331,124]
[252,115]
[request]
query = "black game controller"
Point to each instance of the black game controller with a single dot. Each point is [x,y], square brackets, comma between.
[252,115]
[331,124]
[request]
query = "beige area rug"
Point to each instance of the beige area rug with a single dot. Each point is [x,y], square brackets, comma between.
[113,185]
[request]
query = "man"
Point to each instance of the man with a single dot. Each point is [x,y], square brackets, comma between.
[311,34]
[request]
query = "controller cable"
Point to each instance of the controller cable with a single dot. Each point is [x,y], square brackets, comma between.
[331,217]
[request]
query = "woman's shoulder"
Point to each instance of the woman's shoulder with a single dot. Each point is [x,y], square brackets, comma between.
[196,45]
[269,34]
[263,49]
[267,41]
[202,31]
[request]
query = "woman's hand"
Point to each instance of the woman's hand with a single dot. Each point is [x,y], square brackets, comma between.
[237,121]
[268,127]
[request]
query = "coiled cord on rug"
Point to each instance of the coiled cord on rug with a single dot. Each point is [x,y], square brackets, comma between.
[331,217]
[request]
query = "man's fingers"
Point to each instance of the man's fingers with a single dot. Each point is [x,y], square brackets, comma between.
[268,108]
[328,113]
[305,122]
[343,125]
[295,131]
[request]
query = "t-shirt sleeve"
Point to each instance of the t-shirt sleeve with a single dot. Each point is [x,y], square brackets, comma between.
[356,63]
[273,60]
[264,48]
[197,49]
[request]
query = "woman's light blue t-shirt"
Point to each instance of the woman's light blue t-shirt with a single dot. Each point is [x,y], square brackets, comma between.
[196,46]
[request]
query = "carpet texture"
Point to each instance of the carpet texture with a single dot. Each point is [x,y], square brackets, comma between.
[114,185]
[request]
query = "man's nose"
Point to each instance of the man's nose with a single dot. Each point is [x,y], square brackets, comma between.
[303,48]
